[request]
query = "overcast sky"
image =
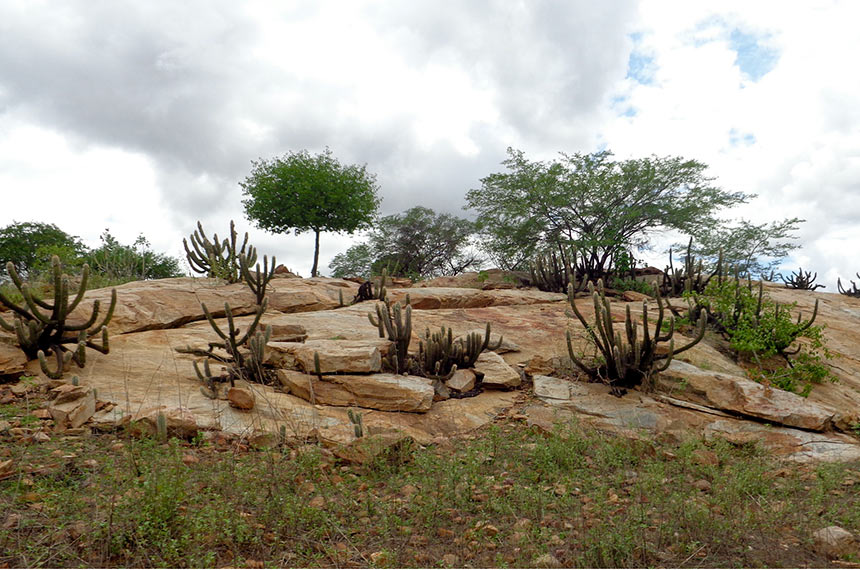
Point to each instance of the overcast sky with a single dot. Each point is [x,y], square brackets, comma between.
[143,117]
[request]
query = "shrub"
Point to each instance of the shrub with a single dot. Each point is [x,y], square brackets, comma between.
[759,328]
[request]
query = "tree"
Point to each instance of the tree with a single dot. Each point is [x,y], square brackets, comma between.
[599,206]
[309,193]
[744,244]
[30,245]
[131,262]
[417,243]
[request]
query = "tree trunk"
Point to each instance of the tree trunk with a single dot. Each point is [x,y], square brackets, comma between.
[316,253]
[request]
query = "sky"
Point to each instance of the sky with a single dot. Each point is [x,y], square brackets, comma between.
[144,117]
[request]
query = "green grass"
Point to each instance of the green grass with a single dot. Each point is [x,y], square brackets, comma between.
[503,497]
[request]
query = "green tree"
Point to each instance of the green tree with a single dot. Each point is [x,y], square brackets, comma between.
[30,245]
[592,202]
[419,243]
[354,262]
[118,262]
[310,193]
[745,244]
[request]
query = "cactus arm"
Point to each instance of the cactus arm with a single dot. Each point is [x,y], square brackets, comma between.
[62,360]
[85,276]
[700,334]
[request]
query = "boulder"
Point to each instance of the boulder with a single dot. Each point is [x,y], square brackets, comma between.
[743,396]
[180,422]
[241,398]
[548,388]
[496,371]
[387,392]
[73,407]
[170,303]
[12,359]
[462,380]
[834,542]
[335,356]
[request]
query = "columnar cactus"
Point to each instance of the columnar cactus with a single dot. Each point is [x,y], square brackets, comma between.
[217,258]
[690,279]
[626,364]
[245,353]
[399,330]
[439,354]
[259,280]
[42,329]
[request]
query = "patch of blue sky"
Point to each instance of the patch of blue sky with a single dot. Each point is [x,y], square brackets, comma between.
[621,105]
[737,138]
[753,57]
[640,67]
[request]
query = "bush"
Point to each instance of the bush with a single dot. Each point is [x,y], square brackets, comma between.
[759,328]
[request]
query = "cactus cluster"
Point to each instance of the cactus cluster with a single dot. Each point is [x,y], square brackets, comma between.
[689,279]
[391,322]
[439,355]
[853,292]
[42,329]
[216,257]
[626,364]
[801,280]
[553,272]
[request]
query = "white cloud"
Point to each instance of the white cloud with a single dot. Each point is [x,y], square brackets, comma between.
[166,104]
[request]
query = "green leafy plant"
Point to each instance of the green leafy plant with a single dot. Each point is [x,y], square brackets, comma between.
[759,328]
[593,202]
[630,284]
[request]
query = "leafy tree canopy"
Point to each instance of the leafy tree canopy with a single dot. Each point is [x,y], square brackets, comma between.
[592,202]
[310,193]
[134,262]
[30,245]
[418,243]
[753,249]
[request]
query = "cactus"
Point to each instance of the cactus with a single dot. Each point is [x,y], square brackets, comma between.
[626,364]
[218,258]
[161,427]
[390,321]
[439,355]
[248,367]
[554,273]
[41,327]
[472,347]
[691,278]
[257,355]
[801,280]
[853,292]
[379,291]
[259,280]
[357,422]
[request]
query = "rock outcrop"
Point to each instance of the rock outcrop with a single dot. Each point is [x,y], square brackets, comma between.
[703,392]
